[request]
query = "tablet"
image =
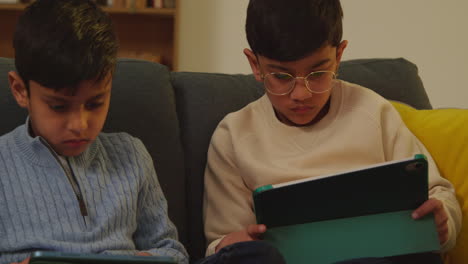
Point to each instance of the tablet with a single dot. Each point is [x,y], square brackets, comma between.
[52,257]
[355,214]
[385,187]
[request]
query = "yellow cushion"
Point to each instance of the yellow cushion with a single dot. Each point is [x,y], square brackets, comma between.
[444,132]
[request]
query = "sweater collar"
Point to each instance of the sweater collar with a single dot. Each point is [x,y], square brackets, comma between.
[39,152]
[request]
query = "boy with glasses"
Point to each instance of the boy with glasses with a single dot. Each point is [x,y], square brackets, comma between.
[308,123]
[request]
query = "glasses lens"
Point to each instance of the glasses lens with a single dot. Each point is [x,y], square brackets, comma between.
[279,83]
[320,81]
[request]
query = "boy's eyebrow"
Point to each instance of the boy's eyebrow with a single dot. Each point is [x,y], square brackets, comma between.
[277,67]
[320,63]
[63,99]
[286,69]
[55,98]
[99,95]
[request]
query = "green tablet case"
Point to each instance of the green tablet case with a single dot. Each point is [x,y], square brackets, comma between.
[361,213]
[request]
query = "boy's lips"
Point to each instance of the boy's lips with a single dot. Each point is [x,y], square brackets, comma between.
[76,142]
[301,109]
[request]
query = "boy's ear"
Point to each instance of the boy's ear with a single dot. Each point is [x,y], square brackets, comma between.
[253,64]
[18,89]
[339,52]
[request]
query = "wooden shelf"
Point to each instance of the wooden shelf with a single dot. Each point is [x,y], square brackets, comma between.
[169,12]
[12,6]
[165,12]
[144,33]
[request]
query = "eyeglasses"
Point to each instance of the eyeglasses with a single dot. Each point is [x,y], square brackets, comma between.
[281,83]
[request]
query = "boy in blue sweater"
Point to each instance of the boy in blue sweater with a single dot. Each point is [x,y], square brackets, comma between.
[64,185]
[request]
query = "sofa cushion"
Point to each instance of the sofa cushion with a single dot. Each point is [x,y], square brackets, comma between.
[143,105]
[8,107]
[203,99]
[394,79]
[444,132]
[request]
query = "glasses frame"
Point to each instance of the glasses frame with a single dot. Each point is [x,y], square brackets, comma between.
[264,76]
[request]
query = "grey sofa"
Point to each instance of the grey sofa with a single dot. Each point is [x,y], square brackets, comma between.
[175,114]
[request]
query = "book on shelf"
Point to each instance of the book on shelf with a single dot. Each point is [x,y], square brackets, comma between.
[157,4]
[355,214]
[137,4]
[130,4]
[162,4]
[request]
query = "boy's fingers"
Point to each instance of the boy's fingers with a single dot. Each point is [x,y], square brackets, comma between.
[443,229]
[255,230]
[441,220]
[431,205]
[26,261]
[443,237]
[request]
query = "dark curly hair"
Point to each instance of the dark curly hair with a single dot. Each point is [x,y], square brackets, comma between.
[290,30]
[60,43]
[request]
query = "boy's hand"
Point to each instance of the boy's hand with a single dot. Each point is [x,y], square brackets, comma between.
[252,232]
[440,216]
[26,261]
[144,254]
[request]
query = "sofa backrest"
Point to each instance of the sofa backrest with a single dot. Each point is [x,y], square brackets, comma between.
[202,100]
[143,105]
[11,115]
[394,79]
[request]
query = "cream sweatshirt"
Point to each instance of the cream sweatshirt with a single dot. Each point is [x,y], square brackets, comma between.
[251,148]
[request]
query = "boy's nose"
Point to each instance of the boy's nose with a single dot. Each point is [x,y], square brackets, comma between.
[300,91]
[78,121]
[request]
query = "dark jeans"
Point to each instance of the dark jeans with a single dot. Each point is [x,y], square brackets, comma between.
[261,252]
[420,258]
[252,252]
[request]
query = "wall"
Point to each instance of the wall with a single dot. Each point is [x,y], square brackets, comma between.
[430,33]
[211,36]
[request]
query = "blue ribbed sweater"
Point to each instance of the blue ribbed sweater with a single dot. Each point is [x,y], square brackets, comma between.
[127,211]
